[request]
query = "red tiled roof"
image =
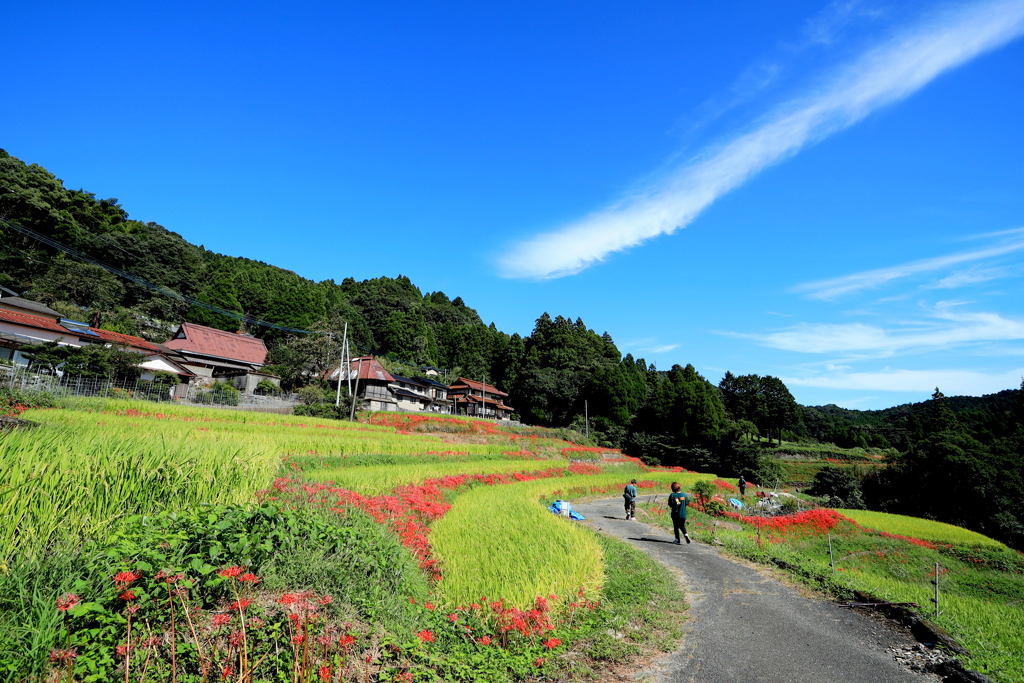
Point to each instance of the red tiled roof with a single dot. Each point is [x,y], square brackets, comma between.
[126,340]
[475,386]
[207,341]
[33,321]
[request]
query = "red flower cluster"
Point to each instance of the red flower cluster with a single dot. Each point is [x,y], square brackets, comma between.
[410,508]
[724,485]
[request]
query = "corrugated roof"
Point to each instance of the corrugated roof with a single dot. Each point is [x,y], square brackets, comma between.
[207,341]
[475,386]
[370,369]
[28,305]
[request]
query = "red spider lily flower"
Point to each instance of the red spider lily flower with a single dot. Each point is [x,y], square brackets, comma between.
[453,617]
[230,572]
[63,657]
[552,643]
[67,601]
[429,605]
[287,599]
[126,578]
[412,600]
[345,641]
[425,636]
[236,639]
[539,662]
[486,640]
[249,577]
[240,605]
[132,609]
[127,595]
[221,619]
[325,600]
[121,649]
[228,670]
[298,639]
[324,673]
[369,658]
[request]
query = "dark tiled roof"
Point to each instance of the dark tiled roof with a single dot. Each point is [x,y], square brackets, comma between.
[410,380]
[411,394]
[207,341]
[26,304]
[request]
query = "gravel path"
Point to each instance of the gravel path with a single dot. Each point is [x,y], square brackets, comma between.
[746,627]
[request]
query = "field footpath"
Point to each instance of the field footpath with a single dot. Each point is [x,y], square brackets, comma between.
[746,626]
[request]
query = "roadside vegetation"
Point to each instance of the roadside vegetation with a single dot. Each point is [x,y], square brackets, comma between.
[166,543]
[880,557]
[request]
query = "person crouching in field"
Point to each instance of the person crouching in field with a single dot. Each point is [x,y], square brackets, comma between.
[677,502]
[629,496]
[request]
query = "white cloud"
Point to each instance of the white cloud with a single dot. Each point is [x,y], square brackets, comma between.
[664,348]
[951,382]
[948,328]
[879,77]
[971,276]
[835,287]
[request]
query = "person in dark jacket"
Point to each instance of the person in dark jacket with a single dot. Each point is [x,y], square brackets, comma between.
[677,502]
[629,496]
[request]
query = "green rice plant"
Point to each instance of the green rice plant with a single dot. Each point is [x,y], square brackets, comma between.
[500,541]
[919,528]
[378,480]
[58,484]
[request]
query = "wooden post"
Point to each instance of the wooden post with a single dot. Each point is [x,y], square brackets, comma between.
[831,558]
[936,598]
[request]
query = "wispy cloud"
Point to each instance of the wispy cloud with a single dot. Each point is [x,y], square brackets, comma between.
[948,327]
[847,284]
[881,76]
[650,345]
[951,381]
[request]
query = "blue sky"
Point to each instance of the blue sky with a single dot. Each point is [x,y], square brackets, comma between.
[826,192]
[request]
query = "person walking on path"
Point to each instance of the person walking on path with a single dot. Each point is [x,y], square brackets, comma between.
[678,501]
[743,486]
[629,495]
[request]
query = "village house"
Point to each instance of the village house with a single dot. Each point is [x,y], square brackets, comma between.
[25,323]
[438,393]
[411,393]
[477,399]
[372,383]
[216,355]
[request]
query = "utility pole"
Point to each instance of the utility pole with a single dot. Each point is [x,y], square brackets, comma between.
[359,369]
[341,366]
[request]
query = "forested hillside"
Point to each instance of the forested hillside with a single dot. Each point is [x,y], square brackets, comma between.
[560,373]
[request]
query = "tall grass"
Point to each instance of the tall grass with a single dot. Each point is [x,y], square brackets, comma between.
[306,440]
[58,484]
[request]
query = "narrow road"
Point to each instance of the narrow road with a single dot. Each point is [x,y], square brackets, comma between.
[746,627]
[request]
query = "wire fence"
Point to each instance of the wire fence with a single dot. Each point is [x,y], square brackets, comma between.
[221,395]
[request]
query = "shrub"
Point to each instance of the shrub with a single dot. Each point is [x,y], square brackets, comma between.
[704,489]
[266,387]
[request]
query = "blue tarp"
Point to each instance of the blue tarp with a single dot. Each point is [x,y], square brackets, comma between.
[736,504]
[559,505]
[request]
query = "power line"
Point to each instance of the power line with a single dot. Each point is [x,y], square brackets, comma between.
[146,283]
